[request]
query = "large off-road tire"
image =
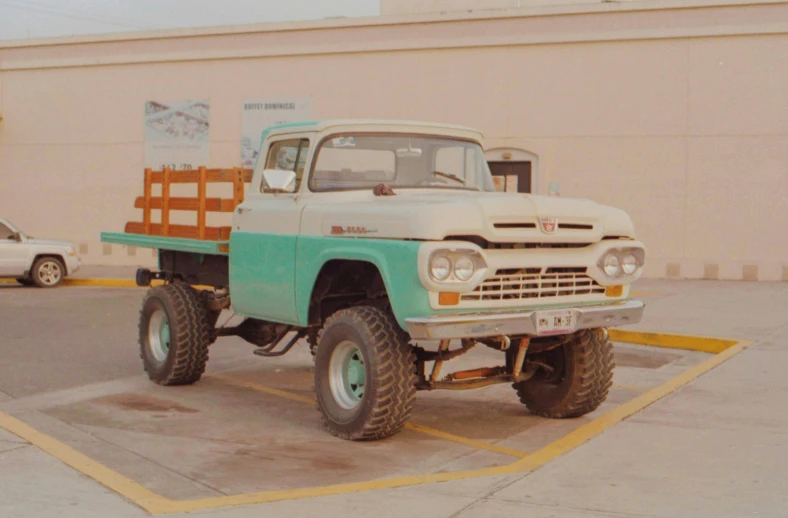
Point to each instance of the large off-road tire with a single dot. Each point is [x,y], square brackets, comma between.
[174,334]
[582,377]
[47,272]
[365,374]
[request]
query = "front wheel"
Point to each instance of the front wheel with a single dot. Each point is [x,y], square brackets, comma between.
[174,334]
[365,375]
[574,378]
[47,272]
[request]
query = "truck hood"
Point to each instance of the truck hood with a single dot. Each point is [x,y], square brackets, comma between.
[429,215]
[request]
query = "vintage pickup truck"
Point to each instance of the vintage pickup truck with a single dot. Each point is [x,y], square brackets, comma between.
[385,245]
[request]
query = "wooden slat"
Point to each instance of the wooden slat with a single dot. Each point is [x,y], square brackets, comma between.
[201,202]
[211,204]
[238,187]
[186,231]
[214,176]
[165,202]
[146,200]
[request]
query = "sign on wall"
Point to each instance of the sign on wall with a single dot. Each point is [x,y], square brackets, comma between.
[177,134]
[259,114]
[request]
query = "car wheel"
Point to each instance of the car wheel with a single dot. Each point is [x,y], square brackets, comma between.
[48,272]
[24,281]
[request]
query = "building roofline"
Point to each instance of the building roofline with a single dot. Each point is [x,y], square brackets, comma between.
[384,20]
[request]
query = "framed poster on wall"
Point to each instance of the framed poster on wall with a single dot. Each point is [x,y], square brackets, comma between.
[259,114]
[177,134]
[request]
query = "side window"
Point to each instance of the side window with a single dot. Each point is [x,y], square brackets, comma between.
[5,232]
[289,155]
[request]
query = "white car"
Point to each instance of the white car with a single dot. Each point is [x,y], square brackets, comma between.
[39,262]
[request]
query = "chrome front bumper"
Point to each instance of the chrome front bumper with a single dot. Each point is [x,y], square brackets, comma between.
[480,325]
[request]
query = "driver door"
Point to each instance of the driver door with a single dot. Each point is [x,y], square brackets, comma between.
[264,238]
[13,254]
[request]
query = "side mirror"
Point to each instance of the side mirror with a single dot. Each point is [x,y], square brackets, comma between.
[16,236]
[279,180]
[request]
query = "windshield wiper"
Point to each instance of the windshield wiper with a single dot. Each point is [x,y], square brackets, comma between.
[449,176]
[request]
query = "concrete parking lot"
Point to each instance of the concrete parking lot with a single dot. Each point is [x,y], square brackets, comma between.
[71,371]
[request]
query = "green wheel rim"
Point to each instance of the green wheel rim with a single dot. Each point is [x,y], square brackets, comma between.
[159,335]
[347,375]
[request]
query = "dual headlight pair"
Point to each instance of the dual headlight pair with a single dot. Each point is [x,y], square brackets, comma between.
[455,265]
[622,262]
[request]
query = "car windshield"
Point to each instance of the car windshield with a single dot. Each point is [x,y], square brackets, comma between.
[353,161]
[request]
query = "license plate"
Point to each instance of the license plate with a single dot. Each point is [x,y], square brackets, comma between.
[555,322]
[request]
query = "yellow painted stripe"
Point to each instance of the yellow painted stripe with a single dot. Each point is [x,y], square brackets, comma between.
[479,445]
[599,425]
[106,283]
[336,489]
[122,485]
[692,343]
[262,388]
[118,283]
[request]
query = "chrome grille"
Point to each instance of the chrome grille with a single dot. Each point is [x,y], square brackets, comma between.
[535,283]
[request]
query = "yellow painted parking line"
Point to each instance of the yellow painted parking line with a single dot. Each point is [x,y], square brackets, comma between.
[262,388]
[157,504]
[122,485]
[335,489]
[106,283]
[693,343]
[479,445]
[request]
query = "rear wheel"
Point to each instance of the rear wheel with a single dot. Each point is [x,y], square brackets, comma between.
[174,334]
[365,376]
[576,379]
[47,272]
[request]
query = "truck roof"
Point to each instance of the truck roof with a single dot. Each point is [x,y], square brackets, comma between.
[324,124]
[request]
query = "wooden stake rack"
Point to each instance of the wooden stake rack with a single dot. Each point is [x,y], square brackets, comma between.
[201,204]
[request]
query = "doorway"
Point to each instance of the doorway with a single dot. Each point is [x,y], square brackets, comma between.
[511,176]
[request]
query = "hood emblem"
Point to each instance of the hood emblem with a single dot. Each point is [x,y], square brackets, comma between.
[548,225]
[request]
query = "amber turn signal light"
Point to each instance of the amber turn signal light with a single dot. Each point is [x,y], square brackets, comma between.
[614,291]
[448,299]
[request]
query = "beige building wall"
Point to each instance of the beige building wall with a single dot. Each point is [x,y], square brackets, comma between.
[677,115]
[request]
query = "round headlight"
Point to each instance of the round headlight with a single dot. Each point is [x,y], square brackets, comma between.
[464,268]
[629,264]
[440,268]
[610,265]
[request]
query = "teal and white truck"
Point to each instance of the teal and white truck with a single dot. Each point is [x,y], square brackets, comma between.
[385,246]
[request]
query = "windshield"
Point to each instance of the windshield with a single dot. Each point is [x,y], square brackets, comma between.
[351,161]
